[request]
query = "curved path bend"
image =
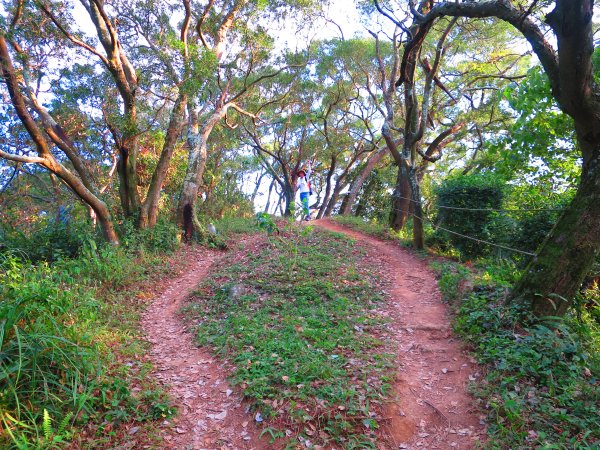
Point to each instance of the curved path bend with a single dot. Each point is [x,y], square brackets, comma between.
[211,415]
[432,408]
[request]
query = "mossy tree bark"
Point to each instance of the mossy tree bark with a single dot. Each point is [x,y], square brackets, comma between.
[197,138]
[401,204]
[553,277]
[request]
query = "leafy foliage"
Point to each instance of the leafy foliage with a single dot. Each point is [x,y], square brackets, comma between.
[45,357]
[540,146]
[57,327]
[163,237]
[49,240]
[541,384]
[472,196]
[375,198]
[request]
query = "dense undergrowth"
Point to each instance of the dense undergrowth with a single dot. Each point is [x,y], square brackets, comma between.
[294,317]
[542,384]
[542,387]
[69,347]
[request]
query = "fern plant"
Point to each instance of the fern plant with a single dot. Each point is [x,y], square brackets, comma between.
[59,435]
[47,425]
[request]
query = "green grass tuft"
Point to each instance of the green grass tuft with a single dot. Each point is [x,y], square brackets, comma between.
[64,327]
[377,229]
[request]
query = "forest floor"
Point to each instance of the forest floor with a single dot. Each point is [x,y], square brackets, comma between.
[429,408]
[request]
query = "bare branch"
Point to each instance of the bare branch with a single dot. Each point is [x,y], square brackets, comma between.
[17,16]
[71,37]
[12,177]
[22,158]
[99,4]
[185,27]
[438,144]
[386,14]
[201,22]
[261,78]
[502,10]
[8,72]
[241,110]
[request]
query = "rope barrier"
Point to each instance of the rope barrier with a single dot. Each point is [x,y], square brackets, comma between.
[483,209]
[481,241]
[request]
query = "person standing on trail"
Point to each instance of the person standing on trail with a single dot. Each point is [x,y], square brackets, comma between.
[303,186]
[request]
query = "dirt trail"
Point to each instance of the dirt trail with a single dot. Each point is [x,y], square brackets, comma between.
[211,414]
[432,409]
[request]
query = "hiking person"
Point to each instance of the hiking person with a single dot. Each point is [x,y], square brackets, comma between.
[303,186]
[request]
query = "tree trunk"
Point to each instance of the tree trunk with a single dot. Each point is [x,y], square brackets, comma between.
[358,182]
[289,195]
[149,209]
[344,206]
[256,187]
[128,147]
[417,216]
[97,205]
[361,207]
[281,204]
[269,196]
[46,158]
[126,169]
[401,204]
[327,187]
[88,197]
[198,144]
[554,276]
[331,203]
[334,198]
[126,81]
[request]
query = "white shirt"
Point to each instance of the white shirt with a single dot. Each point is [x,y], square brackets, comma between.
[302,185]
[302,182]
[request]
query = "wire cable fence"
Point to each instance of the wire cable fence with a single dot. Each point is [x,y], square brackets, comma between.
[298,206]
[484,209]
[464,236]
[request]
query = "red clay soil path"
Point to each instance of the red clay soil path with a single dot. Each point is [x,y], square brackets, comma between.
[211,414]
[432,408]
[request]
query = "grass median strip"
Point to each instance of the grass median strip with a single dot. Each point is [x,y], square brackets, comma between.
[301,329]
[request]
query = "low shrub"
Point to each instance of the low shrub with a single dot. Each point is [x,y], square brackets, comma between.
[48,361]
[163,237]
[60,325]
[464,205]
[49,241]
[541,385]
